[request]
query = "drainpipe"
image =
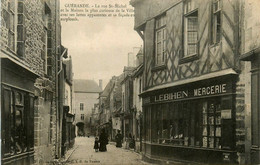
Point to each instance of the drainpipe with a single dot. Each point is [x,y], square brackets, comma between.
[58,101]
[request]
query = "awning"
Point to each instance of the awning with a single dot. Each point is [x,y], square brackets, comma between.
[191,80]
[17,61]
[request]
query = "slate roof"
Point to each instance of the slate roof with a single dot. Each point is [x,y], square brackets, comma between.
[87,86]
[107,89]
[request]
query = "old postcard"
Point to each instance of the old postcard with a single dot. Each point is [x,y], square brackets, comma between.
[130,82]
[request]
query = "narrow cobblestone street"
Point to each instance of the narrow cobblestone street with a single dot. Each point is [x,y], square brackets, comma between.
[84,154]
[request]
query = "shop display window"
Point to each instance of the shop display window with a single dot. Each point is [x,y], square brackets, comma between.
[193,123]
[147,124]
[212,124]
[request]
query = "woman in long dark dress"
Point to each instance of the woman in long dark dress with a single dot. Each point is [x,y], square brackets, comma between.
[103,140]
[119,139]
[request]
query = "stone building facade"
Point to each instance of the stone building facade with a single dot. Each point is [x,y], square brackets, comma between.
[30,47]
[86,94]
[249,53]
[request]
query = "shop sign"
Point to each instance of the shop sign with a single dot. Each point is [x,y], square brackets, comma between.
[226,157]
[226,114]
[192,92]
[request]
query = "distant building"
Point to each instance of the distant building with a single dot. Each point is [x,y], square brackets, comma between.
[104,107]
[86,93]
[137,77]
[127,101]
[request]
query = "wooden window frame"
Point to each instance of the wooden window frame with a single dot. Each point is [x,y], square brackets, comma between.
[216,23]
[12,32]
[191,15]
[189,9]
[160,27]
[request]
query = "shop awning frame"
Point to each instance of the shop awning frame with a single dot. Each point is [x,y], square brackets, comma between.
[229,71]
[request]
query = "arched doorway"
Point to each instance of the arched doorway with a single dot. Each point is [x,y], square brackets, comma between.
[80,129]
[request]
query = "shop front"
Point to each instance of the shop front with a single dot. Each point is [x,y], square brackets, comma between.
[193,122]
[17,111]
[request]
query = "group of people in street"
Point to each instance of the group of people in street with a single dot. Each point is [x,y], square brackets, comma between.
[102,141]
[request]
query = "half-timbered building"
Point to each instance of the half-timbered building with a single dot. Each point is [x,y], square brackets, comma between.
[193,82]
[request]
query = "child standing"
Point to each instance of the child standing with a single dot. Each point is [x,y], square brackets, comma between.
[96,146]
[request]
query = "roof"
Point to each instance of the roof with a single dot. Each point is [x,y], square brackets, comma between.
[138,71]
[86,86]
[107,89]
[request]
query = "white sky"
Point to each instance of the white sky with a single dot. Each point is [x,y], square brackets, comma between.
[99,46]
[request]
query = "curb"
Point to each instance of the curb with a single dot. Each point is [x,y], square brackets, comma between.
[73,150]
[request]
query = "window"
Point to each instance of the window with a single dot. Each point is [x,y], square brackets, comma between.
[21,29]
[82,116]
[190,28]
[10,22]
[18,128]
[191,34]
[46,39]
[160,40]
[199,123]
[81,106]
[147,124]
[216,22]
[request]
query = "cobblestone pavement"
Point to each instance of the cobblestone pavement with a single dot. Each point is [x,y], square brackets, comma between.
[83,153]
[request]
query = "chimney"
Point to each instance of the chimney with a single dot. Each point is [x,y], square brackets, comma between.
[131,59]
[100,84]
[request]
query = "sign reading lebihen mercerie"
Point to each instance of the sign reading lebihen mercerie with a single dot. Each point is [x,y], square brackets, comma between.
[216,89]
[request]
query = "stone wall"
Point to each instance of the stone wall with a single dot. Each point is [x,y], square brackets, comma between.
[243,114]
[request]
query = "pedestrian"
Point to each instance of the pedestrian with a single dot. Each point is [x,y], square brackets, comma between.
[131,142]
[119,138]
[96,145]
[103,140]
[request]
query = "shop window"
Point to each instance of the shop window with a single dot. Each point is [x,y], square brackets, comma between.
[216,22]
[211,124]
[17,130]
[198,123]
[160,40]
[147,124]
